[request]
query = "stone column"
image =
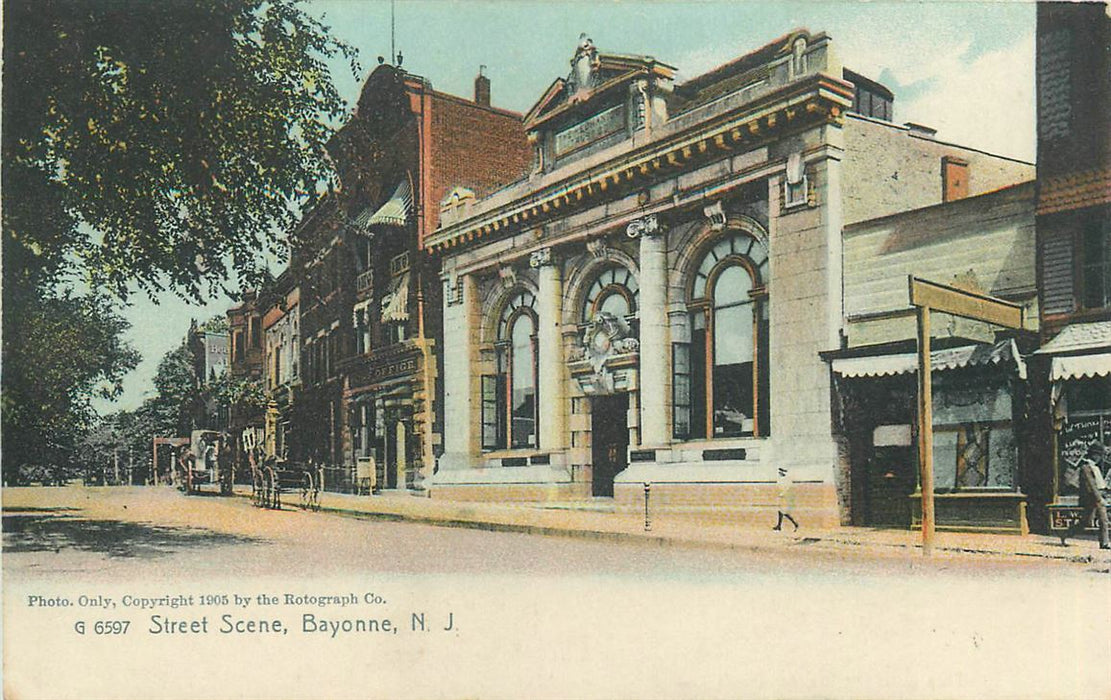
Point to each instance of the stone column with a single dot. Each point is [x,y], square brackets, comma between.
[549,310]
[461,331]
[655,342]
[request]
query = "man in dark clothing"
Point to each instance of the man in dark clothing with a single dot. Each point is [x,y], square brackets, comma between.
[1091,496]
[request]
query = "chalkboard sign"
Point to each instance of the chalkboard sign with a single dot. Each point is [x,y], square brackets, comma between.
[1073,441]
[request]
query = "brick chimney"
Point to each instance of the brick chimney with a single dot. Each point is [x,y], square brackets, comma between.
[482,88]
[954,178]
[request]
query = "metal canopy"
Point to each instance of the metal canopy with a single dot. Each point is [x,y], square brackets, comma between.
[395,212]
[1001,353]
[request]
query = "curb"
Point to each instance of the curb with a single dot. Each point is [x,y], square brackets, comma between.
[825,543]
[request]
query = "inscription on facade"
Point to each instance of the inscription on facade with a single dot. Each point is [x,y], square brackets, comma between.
[586,132]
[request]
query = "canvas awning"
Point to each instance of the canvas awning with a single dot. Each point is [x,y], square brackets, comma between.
[395,212]
[395,305]
[1001,353]
[1080,366]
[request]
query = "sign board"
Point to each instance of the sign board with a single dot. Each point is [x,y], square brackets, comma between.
[1061,518]
[958,302]
[586,132]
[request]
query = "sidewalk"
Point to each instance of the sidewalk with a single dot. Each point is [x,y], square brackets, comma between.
[596,521]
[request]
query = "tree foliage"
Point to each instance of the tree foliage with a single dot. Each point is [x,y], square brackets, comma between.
[59,351]
[150,145]
[160,143]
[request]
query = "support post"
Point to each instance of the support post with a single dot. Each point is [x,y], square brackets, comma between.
[655,345]
[552,430]
[925,430]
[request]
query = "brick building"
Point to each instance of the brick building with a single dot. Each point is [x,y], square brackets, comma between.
[245,364]
[651,304]
[281,327]
[369,317]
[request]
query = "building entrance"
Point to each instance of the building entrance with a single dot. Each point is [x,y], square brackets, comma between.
[391,441]
[891,481]
[609,441]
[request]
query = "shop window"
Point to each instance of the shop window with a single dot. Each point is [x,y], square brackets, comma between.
[1096,247]
[719,379]
[972,456]
[510,408]
[277,367]
[493,412]
[1088,405]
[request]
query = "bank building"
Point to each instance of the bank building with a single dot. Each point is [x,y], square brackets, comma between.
[651,304]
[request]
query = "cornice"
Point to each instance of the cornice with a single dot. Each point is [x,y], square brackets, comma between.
[818,100]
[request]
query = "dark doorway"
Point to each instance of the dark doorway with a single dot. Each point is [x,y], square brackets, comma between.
[609,441]
[891,480]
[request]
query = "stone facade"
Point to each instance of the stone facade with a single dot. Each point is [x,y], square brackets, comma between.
[652,304]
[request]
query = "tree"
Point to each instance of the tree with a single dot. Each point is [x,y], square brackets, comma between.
[155,145]
[164,144]
[59,351]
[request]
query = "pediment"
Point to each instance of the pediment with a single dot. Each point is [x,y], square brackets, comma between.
[593,77]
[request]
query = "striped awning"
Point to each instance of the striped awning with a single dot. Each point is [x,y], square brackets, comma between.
[1004,352]
[396,210]
[1080,366]
[395,305]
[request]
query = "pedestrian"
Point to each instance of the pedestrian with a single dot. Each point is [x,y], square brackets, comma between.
[786,500]
[1092,486]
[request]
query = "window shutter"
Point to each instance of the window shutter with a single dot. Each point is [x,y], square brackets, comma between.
[681,390]
[1057,275]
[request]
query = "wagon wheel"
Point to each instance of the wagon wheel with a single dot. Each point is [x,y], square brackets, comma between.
[257,494]
[270,497]
[306,491]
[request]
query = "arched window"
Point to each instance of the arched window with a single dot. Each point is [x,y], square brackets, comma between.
[615,291]
[721,376]
[509,397]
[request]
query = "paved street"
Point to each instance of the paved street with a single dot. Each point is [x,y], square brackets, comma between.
[628,618]
[138,532]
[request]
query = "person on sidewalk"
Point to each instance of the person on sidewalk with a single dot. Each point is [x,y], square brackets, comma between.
[786,500]
[1092,486]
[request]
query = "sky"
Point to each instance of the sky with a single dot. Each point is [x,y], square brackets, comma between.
[965,68]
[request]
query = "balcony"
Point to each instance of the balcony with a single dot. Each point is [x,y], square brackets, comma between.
[364,281]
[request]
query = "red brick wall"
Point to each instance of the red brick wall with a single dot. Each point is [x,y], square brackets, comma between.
[472,146]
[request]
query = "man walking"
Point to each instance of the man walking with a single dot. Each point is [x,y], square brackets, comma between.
[1091,495]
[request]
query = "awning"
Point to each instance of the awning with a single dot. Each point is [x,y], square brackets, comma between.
[1080,366]
[395,212]
[395,305]
[1001,353]
[1079,337]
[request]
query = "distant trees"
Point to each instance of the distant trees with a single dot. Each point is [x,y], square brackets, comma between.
[60,350]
